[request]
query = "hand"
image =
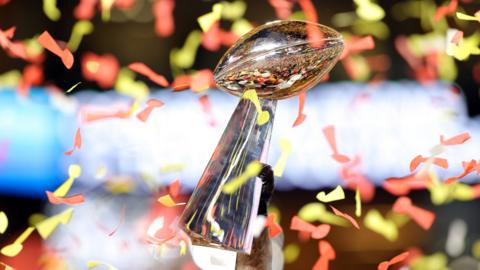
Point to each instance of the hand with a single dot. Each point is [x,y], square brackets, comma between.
[268,185]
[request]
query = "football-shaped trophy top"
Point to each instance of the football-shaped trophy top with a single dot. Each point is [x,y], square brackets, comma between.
[278,60]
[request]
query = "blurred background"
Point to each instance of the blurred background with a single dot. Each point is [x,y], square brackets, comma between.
[410,75]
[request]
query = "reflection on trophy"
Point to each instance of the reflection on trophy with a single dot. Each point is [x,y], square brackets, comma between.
[273,61]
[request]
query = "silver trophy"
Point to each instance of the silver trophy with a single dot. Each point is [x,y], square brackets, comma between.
[277,60]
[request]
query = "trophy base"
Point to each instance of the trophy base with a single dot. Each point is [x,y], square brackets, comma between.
[199,240]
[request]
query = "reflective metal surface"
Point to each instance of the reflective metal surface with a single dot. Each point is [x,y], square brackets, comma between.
[222,220]
[277,60]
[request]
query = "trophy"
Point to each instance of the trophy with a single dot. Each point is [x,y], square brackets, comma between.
[274,61]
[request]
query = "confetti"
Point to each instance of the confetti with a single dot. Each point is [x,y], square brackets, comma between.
[46,227]
[355,180]
[329,132]
[441,162]
[101,69]
[327,254]
[185,56]
[174,188]
[207,109]
[374,221]
[355,45]
[167,201]
[334,195]
[369,11]
[80,29]
[96,264]
[252,170]
[422,217]
[76,144]
[202,80]
[13,249]
[6,266]
[291,253]
[120,221]
[455,140]
[85,9]
[3,222]
[468,167]
[316,232]
[164,21]
[74,171]
[233,10]
[283,8]
[445,10]
[317,212]
[47,41]
[126,85]
[72,200]
[346,216]
[403,185]
[358,203]
[301,116]
[457,37]
[399,258]
[314,34]
[73,87]
[50,9]
[142,69]
[207,20]
[466,17]
[32,75]
[273,228]
[286,150]
[151,104]
[263,116]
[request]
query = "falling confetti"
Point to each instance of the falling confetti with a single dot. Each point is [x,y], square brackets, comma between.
[71,200]
[374,221]
[164,21]
[334,195]
[207,109]
[72,87]
[327,254]
[151,104]
[3,222]
[457,139]
[47,41]
[74,172]
[263,116]
[346,216]
[301,103]
[316,232]
[329,132]
[286,150]
[143,69]
[13,249]
[252,170]
[76,144]
[46,227]
[422,217]
[445,10]
[80,29]
[274,228]
[441,162]
[466,17]
[399,258]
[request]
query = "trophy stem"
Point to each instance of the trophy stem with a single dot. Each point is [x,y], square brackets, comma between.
[222,220]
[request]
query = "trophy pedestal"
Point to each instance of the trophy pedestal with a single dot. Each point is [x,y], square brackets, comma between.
[217,219]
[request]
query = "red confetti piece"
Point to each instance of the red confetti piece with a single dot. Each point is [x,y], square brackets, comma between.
[164,21]
[457,139]
[47,41]
[143,69]
[181,82]
[445,10]
[85,9]
[151,104]
[329,132]
[468,167]
[207,108]
[301,103]
[457,37]
[441,162]
[283,8]
[422,217]
[357,45]
[14,49]
[356,180]
[174,188]
[346,216]
[327,254]
[314,34]
[202,80]
[403,185]
[71,200]
[273,228]
[399,258]
[317,232]
[76,144]
[32,75]
[94,113]
[101,69]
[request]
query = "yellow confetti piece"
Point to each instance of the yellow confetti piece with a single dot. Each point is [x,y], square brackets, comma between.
[106,7]
[46,227]
[101,172]
[399,219]
[80,29]
[466,17]
[50,9]
[233,10]
[467,47]
[358,203]
[183,248]
[13,249]
[174,167]
[3,222]
[73,87]
[126,85]
[291,253]
[334,195]
[312,212]
[36,218]
[167,201]
[374,221]
[74,171]
[10,78]
[369,11]
[476,249]
[241,27]
[436,261]
[286,150]
[206,21]
[119,185]
[185,56]
[252,170]
[263,116]
[95,264]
